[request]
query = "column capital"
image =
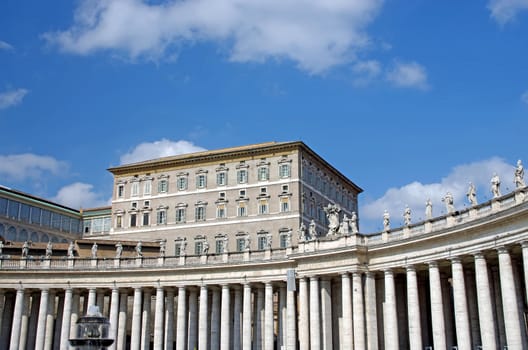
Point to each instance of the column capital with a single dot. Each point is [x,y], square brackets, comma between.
[433,264]
[410,268]
[370,274]
[478,255]
[356,273]
[345,274]
[314,278]
[524,244]
[388,272]
[502,250]
[455,260]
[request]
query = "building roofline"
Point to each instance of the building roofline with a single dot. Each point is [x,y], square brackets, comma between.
[35,199]
[224,153]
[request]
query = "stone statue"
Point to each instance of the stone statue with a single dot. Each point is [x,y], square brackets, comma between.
[407,216]
[247,244]
[1,246]
[472,194]
[139,249]
[288,238]
[205,248]
[302,232]
[344,228]
[163,247]
[386,220]
[428,209]
[49,250]
[312,232]
[332,214]
[269,240]
[448,200]
[225,239]
[119,250]
[71,247]
[183,247]
[519,175]
[353,223]
[25,249]
[94,251]
[495,185]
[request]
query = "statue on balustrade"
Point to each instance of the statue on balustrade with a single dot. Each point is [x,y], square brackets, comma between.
[224,248]
[301,232]
[407,216]
[448,200]
[71,248]
[312,232]
[332,214]
[1,247]
[205,248]
[163,247]
[288,238]
[386,220]
[49,250]
[94,251]
[183,247]
[428,209]
[519,175]
[139,249]
[247,242]
[472,194]
[119,250]
[268,241]
[25,249]
[344,227]
[353,223]
[495,185]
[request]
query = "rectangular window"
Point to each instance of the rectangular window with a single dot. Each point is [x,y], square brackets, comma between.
[35,216]
[120,191]
[87,226]
[134,192]
[242,176]
[285,204]
[134,205]
[221,211]
[56,220]
[283,239]
[199,214]
[182,183]
[133,220]
[201,181]
[146,204]
[180,215]
[198,248]
[242,210]
[147,187]
[161,217]
[219,246]
[221,178]
[65,224]
[97,225]
[284,170]
[3,206]
[163,186]
[241,244]
[285,189]
[262,242]
[119,221]
[242,193]
[24,212]
[263,206]
[12,209]
[177,248]
[146,219]
[263,173]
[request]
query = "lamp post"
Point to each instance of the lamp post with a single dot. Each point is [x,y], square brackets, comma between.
[92,331]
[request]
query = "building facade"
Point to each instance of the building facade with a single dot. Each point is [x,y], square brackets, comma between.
[454,281]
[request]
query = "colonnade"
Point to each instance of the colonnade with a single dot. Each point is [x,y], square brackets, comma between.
[470,300]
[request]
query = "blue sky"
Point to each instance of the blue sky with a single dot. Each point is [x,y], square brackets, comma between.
[409,99]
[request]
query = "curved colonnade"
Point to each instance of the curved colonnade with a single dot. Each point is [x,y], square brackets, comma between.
[457,280]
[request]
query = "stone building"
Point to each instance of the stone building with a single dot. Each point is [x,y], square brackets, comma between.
[454,281]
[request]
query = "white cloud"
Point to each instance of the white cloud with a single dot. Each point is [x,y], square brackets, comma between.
[316,35]
[29,166]
[12,97]
[5,46]
[524,97]
[408,75]
[366,71]
[80,195]
[457,182]
[158,149]
[504,11]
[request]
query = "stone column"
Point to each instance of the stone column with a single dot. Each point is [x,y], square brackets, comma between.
[437,307]
[524,245]
[315,315]
[281,315]
[225,319]
[2,305]
[371,319]
[7,304]
[41,325]
[122,328]
[193,320]
[346,303]
[304,325]
[359,318]
[246,315]
[92,295]
[114,315]
[66,319]
[326,313]
[50,322]
[169,320]
[390,315]
[291,333]
[485,308]
[268,317]
[17,319]
[512,322]
[76,303]
[100,301]
[259,316]
[237,310]
[24,324]
[145,320]
[460,304]
[135,332]
[158,318]
[215,320]
[181,322]
[202,319]
[413,310]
